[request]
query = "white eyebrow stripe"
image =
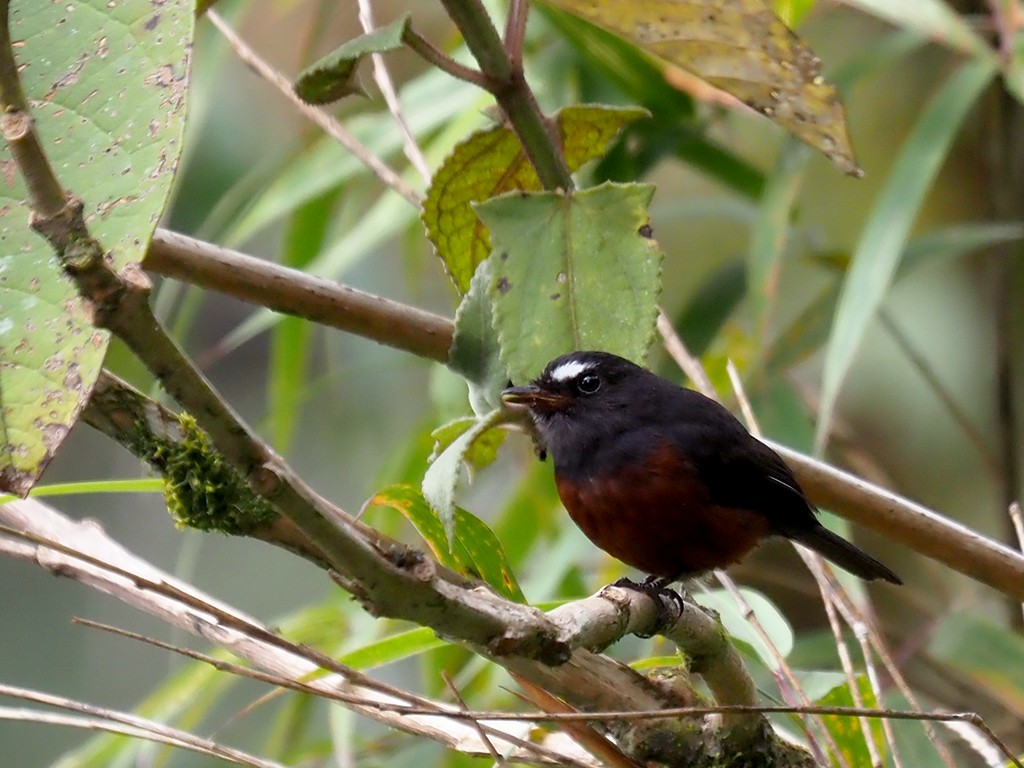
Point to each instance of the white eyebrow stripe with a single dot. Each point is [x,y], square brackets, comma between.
[569,370]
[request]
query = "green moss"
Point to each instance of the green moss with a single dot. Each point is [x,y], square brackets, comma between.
[202,489]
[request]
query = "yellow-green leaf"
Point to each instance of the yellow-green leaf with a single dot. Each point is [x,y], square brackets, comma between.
[490,163]
[474,551]
[742,47]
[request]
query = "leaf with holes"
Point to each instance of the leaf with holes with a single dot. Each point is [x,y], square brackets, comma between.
[743,48]
[572,271]
[334,76]
[490,163]
[109,104]
[474,549]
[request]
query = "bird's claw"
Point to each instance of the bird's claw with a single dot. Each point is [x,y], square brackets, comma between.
[656,588]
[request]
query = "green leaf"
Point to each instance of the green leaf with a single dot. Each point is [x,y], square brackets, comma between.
[806,334]
[885,235]
[990,655]
[107,85]
[474,549]
[442,477]
[387,650]
[492,162]
[334,76]
[475,352]
[744,49]
[572,271]
[848,732]
[483,450]
[935,19]
[736,624]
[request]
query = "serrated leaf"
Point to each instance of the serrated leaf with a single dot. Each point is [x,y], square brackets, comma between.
[442,477]
[108,102]
[475,351]
[877,253]
[572,271]
[474,549]
[334,76]
[492,162]
[742,47]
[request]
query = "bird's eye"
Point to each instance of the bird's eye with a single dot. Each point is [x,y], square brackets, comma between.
[588,384]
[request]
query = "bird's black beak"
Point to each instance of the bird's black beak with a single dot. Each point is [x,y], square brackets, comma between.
[534,397]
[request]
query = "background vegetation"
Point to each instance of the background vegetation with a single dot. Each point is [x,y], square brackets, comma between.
[893,300]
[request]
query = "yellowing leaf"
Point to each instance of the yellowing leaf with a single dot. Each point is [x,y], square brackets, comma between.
[742,47]
[492,162]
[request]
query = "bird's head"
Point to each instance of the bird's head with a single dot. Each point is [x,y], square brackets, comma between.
[583,392]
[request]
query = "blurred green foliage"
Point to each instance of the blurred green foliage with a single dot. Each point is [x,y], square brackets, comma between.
[773,260]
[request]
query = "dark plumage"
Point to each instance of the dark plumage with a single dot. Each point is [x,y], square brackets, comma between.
[664,478]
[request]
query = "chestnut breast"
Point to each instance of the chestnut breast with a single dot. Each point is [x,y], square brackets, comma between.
[654,513]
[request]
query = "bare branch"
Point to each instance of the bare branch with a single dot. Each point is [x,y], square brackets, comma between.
[102,718]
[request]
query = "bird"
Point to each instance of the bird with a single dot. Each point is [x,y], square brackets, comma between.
[665,479]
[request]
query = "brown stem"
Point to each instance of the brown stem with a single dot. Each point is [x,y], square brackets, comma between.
[426,51]
[297,293]
[511,91]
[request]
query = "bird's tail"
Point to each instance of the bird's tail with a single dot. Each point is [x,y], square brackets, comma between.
[845,555]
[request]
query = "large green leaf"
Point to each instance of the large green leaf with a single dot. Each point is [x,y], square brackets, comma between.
[107,85]
[877,254]
[572,271]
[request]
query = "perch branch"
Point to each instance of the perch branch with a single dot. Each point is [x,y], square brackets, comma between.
[395,324]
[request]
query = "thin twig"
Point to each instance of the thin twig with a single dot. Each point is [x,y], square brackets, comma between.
[387,89]
[327,123]
[1017,521]
[515,31]
[426,51]
[868,637]
[495,755]
[132,725]
[512,92]
[924,368]
[788,684]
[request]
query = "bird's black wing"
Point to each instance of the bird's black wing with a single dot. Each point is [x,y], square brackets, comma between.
[737,468]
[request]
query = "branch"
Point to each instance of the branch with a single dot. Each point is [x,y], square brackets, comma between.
[82,551]
[297,293]
[507,83]
[381,320]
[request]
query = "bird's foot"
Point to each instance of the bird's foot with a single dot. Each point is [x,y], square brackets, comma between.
[657,588]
